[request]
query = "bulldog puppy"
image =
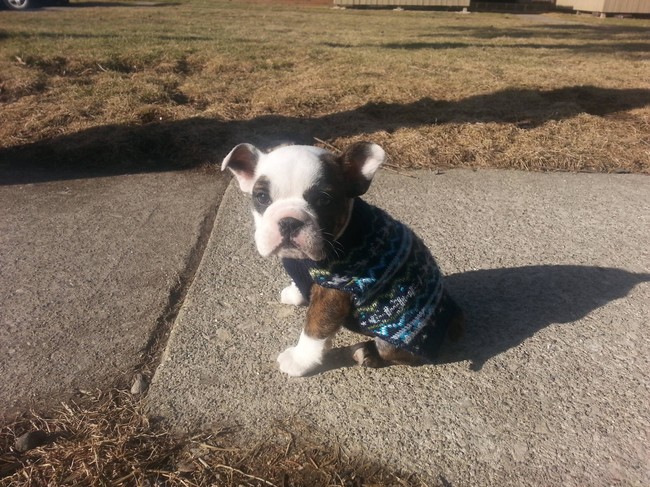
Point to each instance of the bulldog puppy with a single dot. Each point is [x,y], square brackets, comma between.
[354,265]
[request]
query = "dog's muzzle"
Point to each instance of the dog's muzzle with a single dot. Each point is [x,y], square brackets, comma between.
[287,230]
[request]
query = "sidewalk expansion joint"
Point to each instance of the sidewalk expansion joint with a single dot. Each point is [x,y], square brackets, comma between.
[151,353]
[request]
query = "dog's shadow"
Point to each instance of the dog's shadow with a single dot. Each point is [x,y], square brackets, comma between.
[504,307]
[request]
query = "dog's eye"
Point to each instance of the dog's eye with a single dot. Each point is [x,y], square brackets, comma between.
[323,199]
[263,198]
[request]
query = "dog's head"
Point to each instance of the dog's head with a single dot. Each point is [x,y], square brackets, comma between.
[302,194]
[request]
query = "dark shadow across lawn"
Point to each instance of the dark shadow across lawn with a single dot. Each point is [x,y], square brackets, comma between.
[123,4]
[606,47]
[595,32]
[580,37]
[158,146]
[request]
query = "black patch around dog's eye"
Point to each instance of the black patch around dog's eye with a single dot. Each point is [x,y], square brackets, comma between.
[329,204]
[322,198]
[318,197]
[261,194]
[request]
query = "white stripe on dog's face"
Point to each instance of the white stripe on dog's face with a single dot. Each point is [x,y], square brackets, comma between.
[292,170]
[287,173]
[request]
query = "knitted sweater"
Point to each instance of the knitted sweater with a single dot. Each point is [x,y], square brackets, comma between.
[394,281]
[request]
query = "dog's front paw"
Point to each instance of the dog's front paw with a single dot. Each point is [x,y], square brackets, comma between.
[295,363]
[292,295]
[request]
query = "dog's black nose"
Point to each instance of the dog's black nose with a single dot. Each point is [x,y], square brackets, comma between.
[289,226]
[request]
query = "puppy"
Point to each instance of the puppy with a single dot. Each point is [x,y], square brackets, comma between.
[352,263]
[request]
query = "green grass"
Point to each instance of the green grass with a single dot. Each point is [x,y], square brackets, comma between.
[181,82]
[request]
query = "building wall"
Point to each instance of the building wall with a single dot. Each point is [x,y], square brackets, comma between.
[608,6]
[403,3]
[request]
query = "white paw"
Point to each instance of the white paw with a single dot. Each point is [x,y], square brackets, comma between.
[295,363]
[292,295]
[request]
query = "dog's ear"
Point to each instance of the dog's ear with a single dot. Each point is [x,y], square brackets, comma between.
[360,163]
[242,162]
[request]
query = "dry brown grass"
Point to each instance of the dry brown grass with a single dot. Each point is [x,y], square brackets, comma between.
[128,86]
[108,440]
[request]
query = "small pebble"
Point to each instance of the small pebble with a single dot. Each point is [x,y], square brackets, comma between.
[30,440]
[140,384]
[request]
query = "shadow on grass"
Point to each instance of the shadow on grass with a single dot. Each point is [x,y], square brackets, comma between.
[504,307]
[605,47]
[124,4]
[584,38]
[72,35]
[124,149]
[597,32]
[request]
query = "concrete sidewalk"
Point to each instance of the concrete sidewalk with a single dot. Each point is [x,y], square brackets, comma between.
[90,269]
[549,387]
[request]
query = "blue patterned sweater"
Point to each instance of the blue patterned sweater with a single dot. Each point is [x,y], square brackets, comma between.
[394,281]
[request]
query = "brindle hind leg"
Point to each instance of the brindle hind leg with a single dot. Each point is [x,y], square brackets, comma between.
[367,355]
[378,353]
[396,356]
